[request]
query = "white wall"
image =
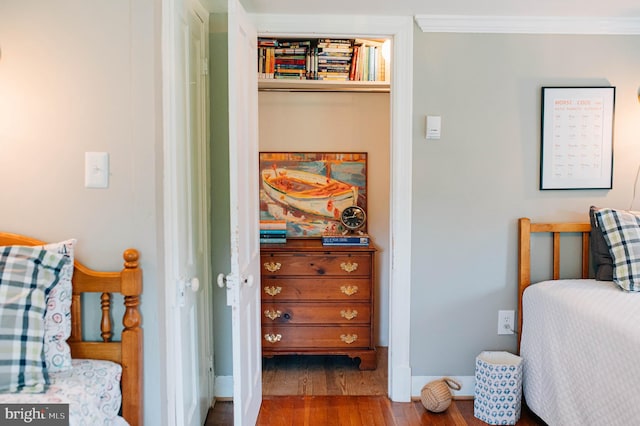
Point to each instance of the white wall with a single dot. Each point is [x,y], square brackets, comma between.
[472,185]
[79,76]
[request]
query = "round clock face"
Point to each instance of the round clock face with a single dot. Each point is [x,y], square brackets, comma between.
[353,217]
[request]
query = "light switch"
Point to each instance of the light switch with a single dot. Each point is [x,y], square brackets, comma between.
[96,170]
[433,127]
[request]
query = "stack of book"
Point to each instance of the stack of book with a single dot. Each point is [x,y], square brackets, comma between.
[345,240]
[291,59]
[266,57]
[334,59]
[273,231]
[368,63]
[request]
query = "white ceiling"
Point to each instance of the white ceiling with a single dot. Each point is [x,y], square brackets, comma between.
[559,8]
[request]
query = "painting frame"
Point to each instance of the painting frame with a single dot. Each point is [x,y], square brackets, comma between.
[310,189]
[576,150]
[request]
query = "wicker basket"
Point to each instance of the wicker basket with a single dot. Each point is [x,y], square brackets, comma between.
[436,395]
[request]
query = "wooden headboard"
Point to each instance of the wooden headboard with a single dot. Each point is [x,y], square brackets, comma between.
[128,350]
[525,229]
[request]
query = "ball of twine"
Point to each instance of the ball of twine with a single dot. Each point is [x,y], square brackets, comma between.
[436,396]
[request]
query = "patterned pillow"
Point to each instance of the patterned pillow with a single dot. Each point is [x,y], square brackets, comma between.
[57,320]
[600,255]
[27,275]
[621,230]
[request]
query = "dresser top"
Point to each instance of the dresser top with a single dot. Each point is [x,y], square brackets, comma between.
[312,245]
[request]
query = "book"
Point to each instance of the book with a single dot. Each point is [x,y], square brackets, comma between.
[349,240]
[272,240]
[273,231]
[273,224]
[272,236]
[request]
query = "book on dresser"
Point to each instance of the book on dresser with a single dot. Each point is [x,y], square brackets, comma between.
[345,240]
[273,231]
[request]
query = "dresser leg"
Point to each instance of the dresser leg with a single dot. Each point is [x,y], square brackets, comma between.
[368,359]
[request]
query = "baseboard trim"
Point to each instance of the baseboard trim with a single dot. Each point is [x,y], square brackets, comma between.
[223,387]
[467,390]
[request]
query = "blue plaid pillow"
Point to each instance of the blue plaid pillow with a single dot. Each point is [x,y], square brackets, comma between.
[27,275]
[621,230]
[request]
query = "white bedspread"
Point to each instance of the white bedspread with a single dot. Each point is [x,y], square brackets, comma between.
[91,388]
[581,353]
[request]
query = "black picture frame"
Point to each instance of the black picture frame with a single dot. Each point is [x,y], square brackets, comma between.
[576,149]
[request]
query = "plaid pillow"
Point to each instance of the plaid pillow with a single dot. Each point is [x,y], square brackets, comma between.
[27,275]
[57,320]
[621,230]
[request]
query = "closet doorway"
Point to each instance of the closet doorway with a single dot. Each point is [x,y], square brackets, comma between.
[400,31]
[346,120]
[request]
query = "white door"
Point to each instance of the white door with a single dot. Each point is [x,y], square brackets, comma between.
[186,229]
[200,176]
[243,294]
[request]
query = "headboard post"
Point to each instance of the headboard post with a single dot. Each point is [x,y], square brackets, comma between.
[524,265]
[132,337]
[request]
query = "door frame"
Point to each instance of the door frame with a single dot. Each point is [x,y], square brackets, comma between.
[400,30]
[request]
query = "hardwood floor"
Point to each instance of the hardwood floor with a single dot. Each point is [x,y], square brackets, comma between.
[323,375]
[356,411]
[324,391]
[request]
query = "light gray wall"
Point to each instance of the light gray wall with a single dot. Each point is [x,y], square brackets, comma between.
[470,187]
[220,226]
[77,77]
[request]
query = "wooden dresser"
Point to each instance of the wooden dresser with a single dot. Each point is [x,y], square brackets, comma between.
[318,300]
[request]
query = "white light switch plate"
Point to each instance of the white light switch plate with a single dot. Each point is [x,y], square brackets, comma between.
[96,170]
[433,126]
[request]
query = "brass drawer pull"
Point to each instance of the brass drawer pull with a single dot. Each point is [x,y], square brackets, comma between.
[273,338]
[348,266]
[272,314]
[272,266]
[348,338]
[349,290]
[272,291]
[349,314]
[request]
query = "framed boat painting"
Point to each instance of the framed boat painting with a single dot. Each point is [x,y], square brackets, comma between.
[310,189]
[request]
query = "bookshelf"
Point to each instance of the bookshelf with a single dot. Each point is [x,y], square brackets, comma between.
[322,64]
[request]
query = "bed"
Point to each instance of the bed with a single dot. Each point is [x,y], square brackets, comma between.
[100,380]
[579,336]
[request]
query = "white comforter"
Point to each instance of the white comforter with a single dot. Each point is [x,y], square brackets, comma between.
[90,387]
[581,353]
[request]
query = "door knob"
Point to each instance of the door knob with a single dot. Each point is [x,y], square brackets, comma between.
[221,280]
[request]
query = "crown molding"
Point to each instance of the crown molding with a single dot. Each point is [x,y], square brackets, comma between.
[527,24]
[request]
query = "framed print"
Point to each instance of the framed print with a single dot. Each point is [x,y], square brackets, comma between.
[310,189]
[577,138]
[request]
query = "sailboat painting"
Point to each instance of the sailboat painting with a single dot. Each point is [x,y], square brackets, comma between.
[310,189]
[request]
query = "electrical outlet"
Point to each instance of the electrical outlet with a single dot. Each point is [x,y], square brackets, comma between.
[506,322]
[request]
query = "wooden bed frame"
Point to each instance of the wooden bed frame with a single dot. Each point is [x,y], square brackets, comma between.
[128,351]
[525,229]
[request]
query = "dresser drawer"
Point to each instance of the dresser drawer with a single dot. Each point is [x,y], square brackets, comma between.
[315,313]
[315,264]
[284,338]
[316,289]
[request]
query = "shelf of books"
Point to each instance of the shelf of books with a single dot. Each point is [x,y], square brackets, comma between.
[322,64]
